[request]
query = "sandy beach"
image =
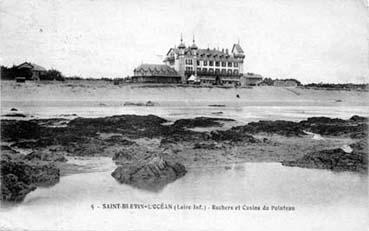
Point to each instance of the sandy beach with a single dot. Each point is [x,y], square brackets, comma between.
[96,92]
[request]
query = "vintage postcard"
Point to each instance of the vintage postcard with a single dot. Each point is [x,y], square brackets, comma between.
[184,115]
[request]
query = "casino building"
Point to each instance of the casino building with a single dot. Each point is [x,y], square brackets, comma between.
[209,66]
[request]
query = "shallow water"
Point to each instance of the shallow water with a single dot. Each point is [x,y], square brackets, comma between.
[243,113]
[323,200]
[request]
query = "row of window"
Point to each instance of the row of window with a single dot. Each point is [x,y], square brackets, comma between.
[211,63]
[211,70]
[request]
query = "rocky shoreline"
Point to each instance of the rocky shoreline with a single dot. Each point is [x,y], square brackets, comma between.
[354,159]
[149,153]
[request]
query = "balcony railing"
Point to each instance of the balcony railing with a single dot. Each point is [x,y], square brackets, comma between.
[206,73]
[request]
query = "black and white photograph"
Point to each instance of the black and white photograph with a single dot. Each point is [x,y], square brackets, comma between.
[183,115]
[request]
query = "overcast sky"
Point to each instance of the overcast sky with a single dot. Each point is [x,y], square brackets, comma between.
[312,40]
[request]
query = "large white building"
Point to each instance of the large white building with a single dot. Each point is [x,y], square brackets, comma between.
[209,66]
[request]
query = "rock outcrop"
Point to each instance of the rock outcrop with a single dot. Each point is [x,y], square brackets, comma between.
[46,156]
[20,177]
[355,160]
[233,135]
[200,122]
[151,174]
[355,127]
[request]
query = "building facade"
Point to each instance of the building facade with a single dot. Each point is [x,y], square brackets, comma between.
[210,66]
[155,73]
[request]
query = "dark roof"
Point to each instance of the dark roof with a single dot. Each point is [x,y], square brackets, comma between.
[238,48]
[194,46]
[206,53]
[156,70]
[32,66]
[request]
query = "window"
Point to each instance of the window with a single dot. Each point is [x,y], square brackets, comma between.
[205,63]
[189,68]
[211,70]
[217,70]
[217,63]
[198,69]
[223,64]
[204,70]
[235,72]
[223,71]
[229,64]
[198,62]
[211,63]
[188,61]
[235,65]
[230,72]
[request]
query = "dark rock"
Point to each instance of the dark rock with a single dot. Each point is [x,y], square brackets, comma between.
[323,120]
[355,127]
[21,177]
[150,174]
[13,109]
[129,125]
[168,140]
[30,144]
[15,114]
[15,130]
[336,159]
[14,190]
[280,127]
[357,118]
[119,140]
[200,122]
[233,136]
[46,156]
[7,153]
[133,104]
[38,173]
[66,115]
[150,104]
[52,122]
[216,105]
[207,145]
[122,155]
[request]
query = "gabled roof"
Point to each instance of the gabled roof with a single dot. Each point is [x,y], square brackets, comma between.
[238,48]
[32,66]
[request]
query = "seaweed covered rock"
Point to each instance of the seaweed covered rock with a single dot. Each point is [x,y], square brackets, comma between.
[19,177]
[130,125]
[151,174]
[233,135]
[46,156]
[355,127]
[15,130]
[200,122]
[12,189]
[208,145]
[355,160]
[117,139]
[280,127]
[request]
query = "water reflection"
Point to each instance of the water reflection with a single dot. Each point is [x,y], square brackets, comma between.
[314,193]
